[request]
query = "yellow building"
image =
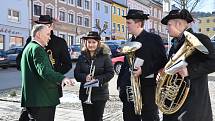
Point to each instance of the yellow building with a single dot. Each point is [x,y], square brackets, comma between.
[119,29]
[207,25]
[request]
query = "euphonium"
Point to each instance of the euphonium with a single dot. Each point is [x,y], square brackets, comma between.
[51,57]
[172,89]
[135,90]
[89,89]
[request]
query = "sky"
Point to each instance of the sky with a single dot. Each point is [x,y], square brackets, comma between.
[205,6]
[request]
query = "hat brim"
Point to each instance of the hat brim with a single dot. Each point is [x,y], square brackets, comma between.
[92,37]
[43,22]
[136,17]
[170,17]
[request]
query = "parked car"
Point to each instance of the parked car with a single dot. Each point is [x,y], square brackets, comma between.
[75,51]
[12,54]
[115,48]
[3,59]
[213,42]
[117,63]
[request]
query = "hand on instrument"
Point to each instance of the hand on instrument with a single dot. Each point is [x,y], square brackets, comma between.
[183,72]
[88,78]
[137,72]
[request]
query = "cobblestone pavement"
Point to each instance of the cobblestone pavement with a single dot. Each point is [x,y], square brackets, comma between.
[71,111]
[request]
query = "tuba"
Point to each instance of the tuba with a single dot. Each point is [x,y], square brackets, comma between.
[129,49]
[172,89]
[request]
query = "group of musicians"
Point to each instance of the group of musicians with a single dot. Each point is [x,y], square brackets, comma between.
[43,73]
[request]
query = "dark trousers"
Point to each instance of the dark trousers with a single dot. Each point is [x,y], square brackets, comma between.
[37,114]
[149,109]
[93,112]
[129,114]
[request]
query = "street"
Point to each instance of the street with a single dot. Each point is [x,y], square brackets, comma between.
[11,77]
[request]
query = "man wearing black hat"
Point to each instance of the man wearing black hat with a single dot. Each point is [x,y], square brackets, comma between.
[197,106]
[153,54]
[57,49]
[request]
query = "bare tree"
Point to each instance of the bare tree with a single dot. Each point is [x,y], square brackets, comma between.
[101,30]
[187,4]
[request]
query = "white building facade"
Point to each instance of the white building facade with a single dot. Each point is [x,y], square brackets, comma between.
[14,23]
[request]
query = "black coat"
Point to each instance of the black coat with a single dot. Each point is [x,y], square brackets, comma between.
[197,106]
[153,54]
[103,72]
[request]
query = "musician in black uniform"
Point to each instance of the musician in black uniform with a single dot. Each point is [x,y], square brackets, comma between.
[153,54]
[197,106]
[57,49]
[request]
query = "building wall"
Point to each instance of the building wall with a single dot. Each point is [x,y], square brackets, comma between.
[13,31]
[140,5]
[207,25]
[70,31]
[155,19]
[118,20]
[103,14]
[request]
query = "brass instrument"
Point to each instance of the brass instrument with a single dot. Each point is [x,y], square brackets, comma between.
[52,60]
[172,89]
[89,89]
[134,91]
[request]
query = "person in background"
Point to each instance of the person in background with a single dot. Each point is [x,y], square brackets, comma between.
[153,54]
[39,91]
[197,106]
[94,63]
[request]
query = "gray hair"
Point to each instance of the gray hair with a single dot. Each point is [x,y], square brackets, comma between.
[36,28]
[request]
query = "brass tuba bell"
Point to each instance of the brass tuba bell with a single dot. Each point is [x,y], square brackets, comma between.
[172,89]
[129,49]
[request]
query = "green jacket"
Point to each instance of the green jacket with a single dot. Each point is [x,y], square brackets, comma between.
[39,80]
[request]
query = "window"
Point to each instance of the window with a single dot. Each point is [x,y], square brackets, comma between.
[87,4]
[62,16]
[79,20]
[37,10]
[200,30]
[123,12]
[118,27]
[15,41]
[71,18]
[63,0]
[114,27]
[106,9]
[119,11]
[79,3]
[208,20]
[207,29]
[71,2]
[106,24]
[214,20]
[13,15]
[214,28]
[86,22]
[97,22]
[97,6]
[123,28]
[1,41]
[70,40]
[49,11]
[114,10]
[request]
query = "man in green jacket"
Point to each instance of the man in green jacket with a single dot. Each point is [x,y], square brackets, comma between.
[39,81]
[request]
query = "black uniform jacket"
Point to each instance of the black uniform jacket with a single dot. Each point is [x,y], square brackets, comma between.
[197,106]
[153,54]
[103,72]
